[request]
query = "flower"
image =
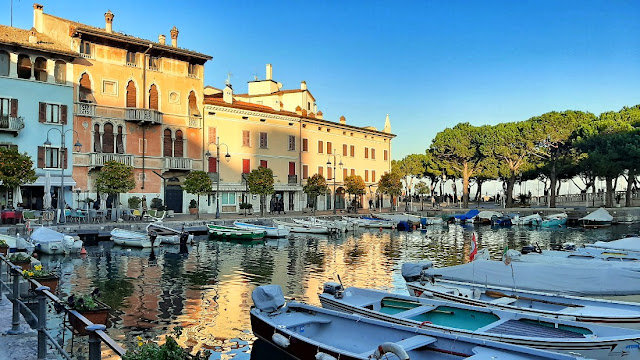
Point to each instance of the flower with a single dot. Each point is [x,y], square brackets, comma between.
[37,272]
[38,267]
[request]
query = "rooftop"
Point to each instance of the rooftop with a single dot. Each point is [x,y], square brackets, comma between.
[20,37]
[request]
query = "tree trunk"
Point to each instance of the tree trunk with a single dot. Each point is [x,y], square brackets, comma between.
[198,212]
[630,182]
[262,198]
[479,192]
[609,192]
[553,178]
[511,182]
[465,186]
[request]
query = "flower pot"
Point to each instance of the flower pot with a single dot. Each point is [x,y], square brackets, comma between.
[193,211]
[99,315]
[51,281]
[24,264]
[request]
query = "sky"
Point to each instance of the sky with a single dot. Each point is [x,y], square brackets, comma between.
[428,64]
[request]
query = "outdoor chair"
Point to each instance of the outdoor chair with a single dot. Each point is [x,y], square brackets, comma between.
[102,215]
[31,216]
[93,215]
[136,214]
[150,215]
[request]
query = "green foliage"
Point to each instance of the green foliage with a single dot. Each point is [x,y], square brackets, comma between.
[15,168]
[156,203]
[115,178]
[198,183]
[246,206]
[85,302]
[134,202]
[354,185]
[315,186]
[170,350]
[19,257]
[390,184]
[3,244]
[260,181]
[37,272]
[193,204]
[422,188]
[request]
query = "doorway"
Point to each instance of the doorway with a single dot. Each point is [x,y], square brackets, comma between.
[173,198]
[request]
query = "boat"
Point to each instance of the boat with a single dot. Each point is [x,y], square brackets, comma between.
[333,226]
[370,222]
[628,244]
[135,239]
[597,219]
[468,216]
[530,220]
[579,258]
[397,217]
[554,220]
[502,221]
[431,220]
[300,228]
[494,324]
[560,306]
[49,241]
[234,233]
[485,216]
[18,243]
[554,278]
[270,231]
[170,235]
[309,332]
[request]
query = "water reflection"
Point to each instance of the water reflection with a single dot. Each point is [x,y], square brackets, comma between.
[206,288]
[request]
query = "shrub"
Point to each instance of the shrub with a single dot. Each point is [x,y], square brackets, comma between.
[156,203]
[134,202]
[193,204]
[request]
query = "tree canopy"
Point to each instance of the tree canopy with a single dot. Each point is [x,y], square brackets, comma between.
[115,178]
[315,186]
[260,181]
[198,183]
[15,168]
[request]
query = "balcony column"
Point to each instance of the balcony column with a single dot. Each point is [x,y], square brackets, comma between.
[13,65]
[51,65]
[33,65]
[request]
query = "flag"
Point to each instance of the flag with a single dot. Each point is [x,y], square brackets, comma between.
[474,248]
[505,255]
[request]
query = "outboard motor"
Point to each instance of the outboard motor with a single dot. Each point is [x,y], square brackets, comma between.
[413,271]
[531,249]
[184,237]
[333,288]
[153,236]
[268,298]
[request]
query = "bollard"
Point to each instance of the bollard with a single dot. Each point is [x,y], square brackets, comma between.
[15,319]
[1,279]
[42,322]
[95,351]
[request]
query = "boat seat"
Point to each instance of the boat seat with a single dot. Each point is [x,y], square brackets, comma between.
[415,311]
[308,322]
[414,342]
[503,301]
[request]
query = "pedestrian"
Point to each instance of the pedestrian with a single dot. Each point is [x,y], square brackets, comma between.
[272,205]
[144,205]
[281,206]
[371,205]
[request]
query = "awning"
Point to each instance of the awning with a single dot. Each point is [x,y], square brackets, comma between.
[55,181]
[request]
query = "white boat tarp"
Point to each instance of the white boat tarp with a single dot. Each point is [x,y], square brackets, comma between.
[486,214]
[598,215]
[42,235]
[626,244]
[553,278]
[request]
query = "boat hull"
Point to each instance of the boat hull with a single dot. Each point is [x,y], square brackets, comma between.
[297,228]
[270,231]
[235,234]
[133,239]
[169,235]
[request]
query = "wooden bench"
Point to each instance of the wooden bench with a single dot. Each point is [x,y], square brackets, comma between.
[503,301]
[409,344]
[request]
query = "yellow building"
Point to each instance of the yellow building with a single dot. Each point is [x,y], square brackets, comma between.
[137,102]
[281,129]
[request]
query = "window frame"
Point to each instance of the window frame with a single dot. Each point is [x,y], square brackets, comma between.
[264,140]
[48,156]
[292,143]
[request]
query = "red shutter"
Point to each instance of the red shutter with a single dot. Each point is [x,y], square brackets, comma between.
[213,165]
[14,108]
[246,166]
[373,153]
[40,157]
[320,170]
[263,163]
[63,114]
[344,149]
[320,147]
[305,145]
[305,172]
[344,174]
[63,156]
[385,155]
[366,175]
[353,151]
[292,168]
[329,173]
[366,153]
[373,176]
[329,148]
[42,116]
[212,134]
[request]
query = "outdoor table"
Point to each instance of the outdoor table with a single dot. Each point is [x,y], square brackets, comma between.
[11,216]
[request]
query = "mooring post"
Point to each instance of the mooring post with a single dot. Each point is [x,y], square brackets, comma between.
[42,322]
[15,320]
[1,279]
[95,351]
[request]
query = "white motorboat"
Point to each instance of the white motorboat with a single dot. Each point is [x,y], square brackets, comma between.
[597,219]
[134,238]
[530,220]
[49,241]
[271,231]
[301,228]
[17,243]
[370,222]
[578,258]
[628,244]
[485,216]
[554,220]
[333,226]
[397,217]
[170,235]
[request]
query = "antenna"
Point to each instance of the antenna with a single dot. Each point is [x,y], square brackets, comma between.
[228,81]
[255,76]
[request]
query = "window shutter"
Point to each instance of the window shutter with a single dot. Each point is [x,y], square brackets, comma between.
[292,168]
[63,114]
[42,116]
[40,157]
[213,165]
[344,149]
[14,108]
[212,134]
[63,155]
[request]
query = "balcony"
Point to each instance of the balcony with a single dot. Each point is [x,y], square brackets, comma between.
[11,124]
[99,159]
[292,180]
[110,112]
[195,121]
[171,163]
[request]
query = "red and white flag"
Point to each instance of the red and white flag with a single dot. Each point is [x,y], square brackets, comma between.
[474,248]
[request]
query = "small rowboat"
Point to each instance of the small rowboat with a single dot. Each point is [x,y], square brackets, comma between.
[135,239]
[234,233]
[270,231]
[370,222]
[555,220]
[300,228]
[169,235]
[309,332]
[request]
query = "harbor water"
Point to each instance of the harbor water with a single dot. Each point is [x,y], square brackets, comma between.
[205,289]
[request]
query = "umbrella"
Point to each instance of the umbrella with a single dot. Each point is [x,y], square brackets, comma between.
[17,196]
[46,204]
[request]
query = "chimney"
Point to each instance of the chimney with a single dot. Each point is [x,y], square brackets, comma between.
[303,85]
[319,115]
[269,72]
[227,94]
[174,37]
[108,18]
[304,112]
[37,17]
[312,115]
[343,120]
[33,36]
[162,39]
[298,110]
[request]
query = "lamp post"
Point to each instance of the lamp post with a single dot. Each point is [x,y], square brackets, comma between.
[227,158]
[334,178]
[77,146]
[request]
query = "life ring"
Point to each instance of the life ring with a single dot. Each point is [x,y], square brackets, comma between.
[390,347]
[424,322]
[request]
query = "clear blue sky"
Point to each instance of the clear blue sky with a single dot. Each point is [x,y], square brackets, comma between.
[429,64]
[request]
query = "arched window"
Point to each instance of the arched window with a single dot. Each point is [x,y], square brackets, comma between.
[40,69]
[193,105]
[97,143]
[167,143]
[4,63]
[84,90]
[178,146]
[60,72]
[131,94]
[107,139]
[153,97]
[24,67]
[120,140]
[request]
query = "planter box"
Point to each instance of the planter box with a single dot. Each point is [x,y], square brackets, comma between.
[193,211]
[96,316]
[50,281]
[24,264]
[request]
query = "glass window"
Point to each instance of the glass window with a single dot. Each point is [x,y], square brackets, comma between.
[131,58]
[292,142]
[51,157]
[228,198]
[263,140]
[40,69]
[4,63]
[85,49]
[154,63]
[53,114]
[60,72]
[4,108]
[24,67]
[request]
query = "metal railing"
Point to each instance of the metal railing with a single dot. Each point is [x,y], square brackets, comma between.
[11,123]
[113,112]
[99,159]
[292,179]
[97,334]
[178,163]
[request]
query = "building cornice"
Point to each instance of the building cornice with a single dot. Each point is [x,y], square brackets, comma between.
[258,114]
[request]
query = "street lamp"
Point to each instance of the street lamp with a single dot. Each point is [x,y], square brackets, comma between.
[77,146]
[227,158]
[334,177]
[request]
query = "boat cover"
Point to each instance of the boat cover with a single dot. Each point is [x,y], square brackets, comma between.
[43,235]
[553,278]
[469,215]
[572,258]
[486,214]
[414,270]
[268,298]
[598,215]
[626,244]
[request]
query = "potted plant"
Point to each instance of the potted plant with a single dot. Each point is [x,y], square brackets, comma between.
[21,259]
[44,277]
[150,350]
[193,207]
[4,247]
[156,204]
[90,307]
[246,206]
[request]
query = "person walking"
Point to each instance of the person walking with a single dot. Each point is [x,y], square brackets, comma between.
[144,205]
[371,205]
